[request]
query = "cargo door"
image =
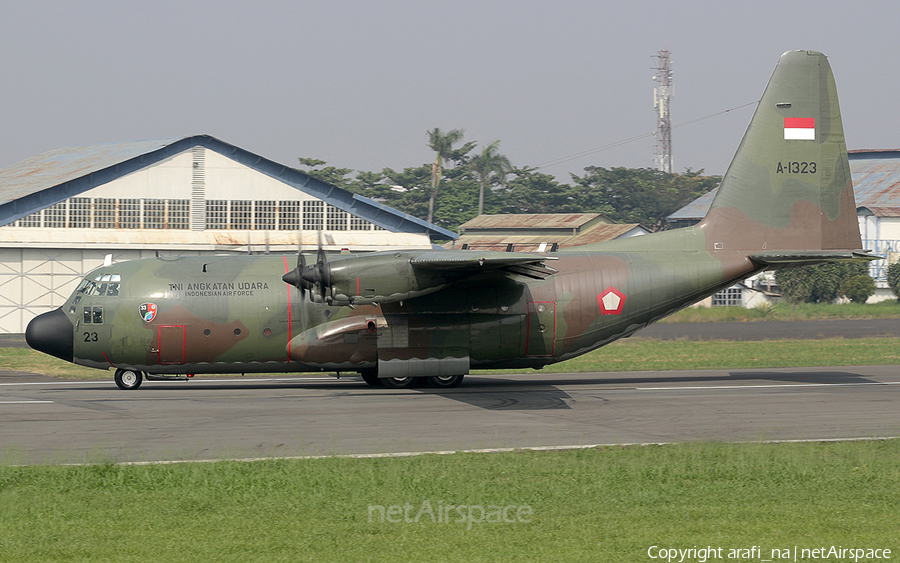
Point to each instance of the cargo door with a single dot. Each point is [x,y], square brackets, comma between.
[171,344]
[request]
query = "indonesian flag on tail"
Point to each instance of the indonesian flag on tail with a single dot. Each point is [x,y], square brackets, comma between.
[799,128]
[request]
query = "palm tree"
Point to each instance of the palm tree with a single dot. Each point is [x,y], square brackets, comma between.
[442,144]
[489,163]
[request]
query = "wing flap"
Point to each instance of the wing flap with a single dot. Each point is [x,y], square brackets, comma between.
[775,257]
[471,261]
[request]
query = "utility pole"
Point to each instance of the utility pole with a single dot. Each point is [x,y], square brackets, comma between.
[662,100]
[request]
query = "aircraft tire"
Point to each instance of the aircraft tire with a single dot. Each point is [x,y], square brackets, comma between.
[400,382]
[127,379]
[370,376]
[444,382]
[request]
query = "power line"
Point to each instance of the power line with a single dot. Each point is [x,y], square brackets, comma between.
[563,159]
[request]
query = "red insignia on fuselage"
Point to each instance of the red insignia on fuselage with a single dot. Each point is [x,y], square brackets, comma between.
[611,301]
[148,311]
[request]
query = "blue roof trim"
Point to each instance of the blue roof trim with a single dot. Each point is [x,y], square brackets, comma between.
[80,169]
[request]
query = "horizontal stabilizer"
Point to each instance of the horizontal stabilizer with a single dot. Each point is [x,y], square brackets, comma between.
[812,257]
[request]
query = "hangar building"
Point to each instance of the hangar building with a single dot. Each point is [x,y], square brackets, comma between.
[66,211]
[539,231]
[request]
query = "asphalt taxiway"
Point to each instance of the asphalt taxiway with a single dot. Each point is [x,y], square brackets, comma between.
[43,420]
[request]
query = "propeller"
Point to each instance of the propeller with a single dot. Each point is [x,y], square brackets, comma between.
[315,277]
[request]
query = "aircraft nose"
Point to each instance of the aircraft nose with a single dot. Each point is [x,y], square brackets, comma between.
[51,333]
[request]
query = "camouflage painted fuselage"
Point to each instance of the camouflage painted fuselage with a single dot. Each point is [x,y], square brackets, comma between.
[235,314]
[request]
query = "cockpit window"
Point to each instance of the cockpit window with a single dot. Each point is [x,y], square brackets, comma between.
[102,285]
[113,287]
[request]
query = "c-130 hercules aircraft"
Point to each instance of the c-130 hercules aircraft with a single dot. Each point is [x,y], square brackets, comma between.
[398,317]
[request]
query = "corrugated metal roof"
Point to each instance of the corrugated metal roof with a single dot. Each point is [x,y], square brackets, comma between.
[876,179]
[568,221]
[65,164]
[56,175]
[529,242]
[695,209]
[876,185]
[603,233]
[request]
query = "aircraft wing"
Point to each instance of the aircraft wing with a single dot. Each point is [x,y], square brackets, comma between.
[474,261]
[777,257]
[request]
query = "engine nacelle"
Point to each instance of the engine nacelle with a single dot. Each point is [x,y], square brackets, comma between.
[380,278]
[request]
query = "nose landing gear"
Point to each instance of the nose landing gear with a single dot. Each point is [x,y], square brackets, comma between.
[128,379]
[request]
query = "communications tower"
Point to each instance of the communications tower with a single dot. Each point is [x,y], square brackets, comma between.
[662,100]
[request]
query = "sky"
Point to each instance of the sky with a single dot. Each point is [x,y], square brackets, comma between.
[358,83]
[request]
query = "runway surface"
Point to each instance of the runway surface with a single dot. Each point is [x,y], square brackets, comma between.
[756,330]
[53,421]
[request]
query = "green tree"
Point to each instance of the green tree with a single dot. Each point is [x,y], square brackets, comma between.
[858,288]
[820,283]
[329,174]
[893,278]
[442,144]
[488,166]
[639,195]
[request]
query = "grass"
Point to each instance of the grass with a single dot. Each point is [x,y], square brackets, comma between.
[655,355]
[633,354]
[889,309]
[606,504]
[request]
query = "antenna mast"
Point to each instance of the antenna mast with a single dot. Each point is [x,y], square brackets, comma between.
[662,99]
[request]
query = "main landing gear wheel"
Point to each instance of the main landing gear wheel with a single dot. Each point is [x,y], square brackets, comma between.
[128,379]
[370,376]
[399,382]
[444,381]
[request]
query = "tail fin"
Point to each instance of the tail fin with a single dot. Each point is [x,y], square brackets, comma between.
[788,186]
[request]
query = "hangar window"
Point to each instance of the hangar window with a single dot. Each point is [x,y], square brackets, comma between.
[289,215]
[55,216]
[336,219]
[33,220]
[241,214]
[129,214]
[80,212]
[179,213]
[216,214]
[313,215]
[264,216]
[154,214]
[104,213]
[731,297]
[357,224]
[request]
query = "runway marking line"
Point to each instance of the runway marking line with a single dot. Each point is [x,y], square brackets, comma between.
[22,402]
[477,451]
[244,379]
[769,386]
